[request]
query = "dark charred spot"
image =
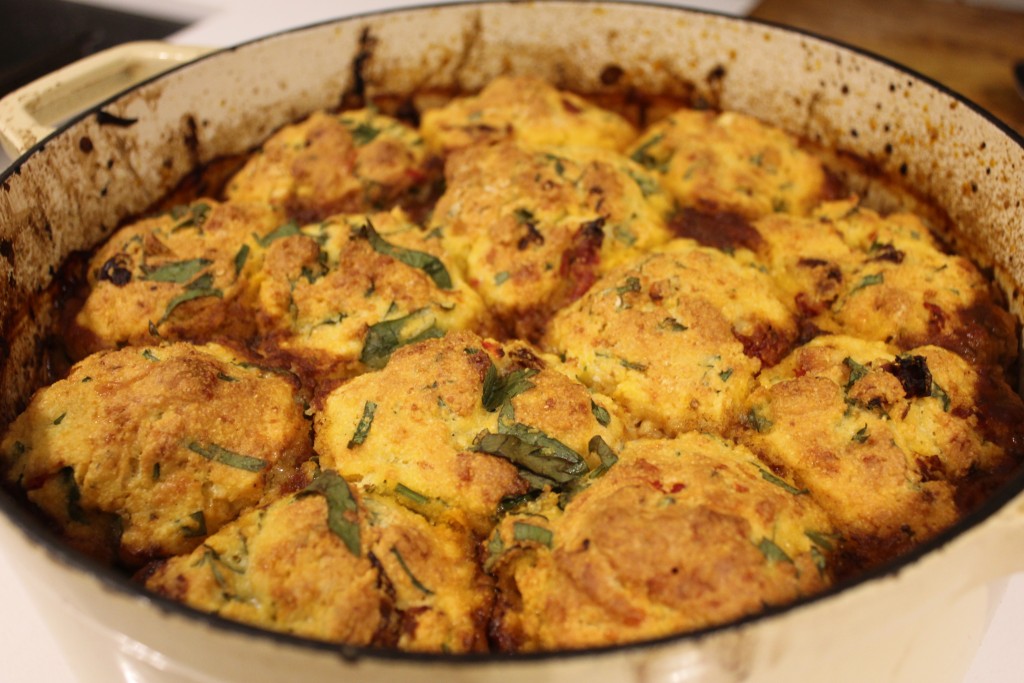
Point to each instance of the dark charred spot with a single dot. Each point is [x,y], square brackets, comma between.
[7,251]
[931,468]
[886,252]
[569,106]
[192,136]
[1000,414]
[107,119]
[612,74]
[832,271]
[355,97]
[532,236]
[408,113]
[766,344]
[913,374]
[85,144]
[116,270]
[580,260]
[522,358]
[721,230]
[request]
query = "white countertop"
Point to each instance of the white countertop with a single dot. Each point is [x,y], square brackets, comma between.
[27,650]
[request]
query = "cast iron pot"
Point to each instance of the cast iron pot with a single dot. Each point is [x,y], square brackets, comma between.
[918,619]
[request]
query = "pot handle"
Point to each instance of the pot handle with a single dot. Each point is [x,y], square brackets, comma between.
[32,112]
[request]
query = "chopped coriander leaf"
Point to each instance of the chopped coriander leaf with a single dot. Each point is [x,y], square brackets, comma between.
[772,552]
[630,365]
[363,428]
[150,356]
[725,374]
[414,496]
[624,235]
[824,541]
[286,230]
[647,185]
[86,379]
[226,378]
[632,284]
[156,471]
[521,531]
[200,525]
[408,572]
[153,329]
[819,560]
[643,157]
[363,133]
[221,455]
[495,546]
[178,272]
[867,281]
[60,418]
[600,414]
[342,511]
[385,337]
[501,278]
[428,263]
[672,325]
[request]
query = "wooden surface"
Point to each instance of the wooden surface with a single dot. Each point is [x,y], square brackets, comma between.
[967,48]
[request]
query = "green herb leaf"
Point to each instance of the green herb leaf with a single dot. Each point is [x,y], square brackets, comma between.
[363,428]
[542,460]
[643,156]
[221,455]
[861,436]
[632,285]
[363,133]
[771,478]
[288,229]
[754,418]
[226,378]
[150,356]
[825,541]
[194,216]
[499,389]
[198,288]
[648,186]
[867,281]
[772,552]
[342,511]
[385,337]
[672,325]
[408,572]
[428,263]
[240,258]
[857,372]
[725,374]
[414,496]
[178,272]
[521,531]
[597,446]
[74,495]
[501,278]
[630,365]
[940,393]
[60,418]
[600,414]
[199,529]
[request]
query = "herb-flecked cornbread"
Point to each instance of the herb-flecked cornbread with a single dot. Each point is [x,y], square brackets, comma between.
[511,372]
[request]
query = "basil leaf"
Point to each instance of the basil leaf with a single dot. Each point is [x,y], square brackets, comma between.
[342,511]
[428,263]
[199,529]
[772,552]
[385,337]
[408,572]
[178,272]
[363,428]
[287,230]
[600,414]
[541,459]
[499,389]
[198,288]
[780,482]
[221,455]
[601,449]
[521,531]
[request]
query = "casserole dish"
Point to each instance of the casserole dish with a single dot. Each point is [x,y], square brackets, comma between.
[912,621]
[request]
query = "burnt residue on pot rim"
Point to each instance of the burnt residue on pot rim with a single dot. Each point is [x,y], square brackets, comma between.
[110,580]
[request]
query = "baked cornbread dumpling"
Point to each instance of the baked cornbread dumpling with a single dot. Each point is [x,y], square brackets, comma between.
[532,228]
[527,109]
[330,563]
[886,278]
[181,275]
[888,443]
[142,452]
[726,169]
[676,338]
[453,427]
[348,162]
[338,296]
[676,535]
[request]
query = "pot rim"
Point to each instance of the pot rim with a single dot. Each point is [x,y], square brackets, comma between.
[38,533]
